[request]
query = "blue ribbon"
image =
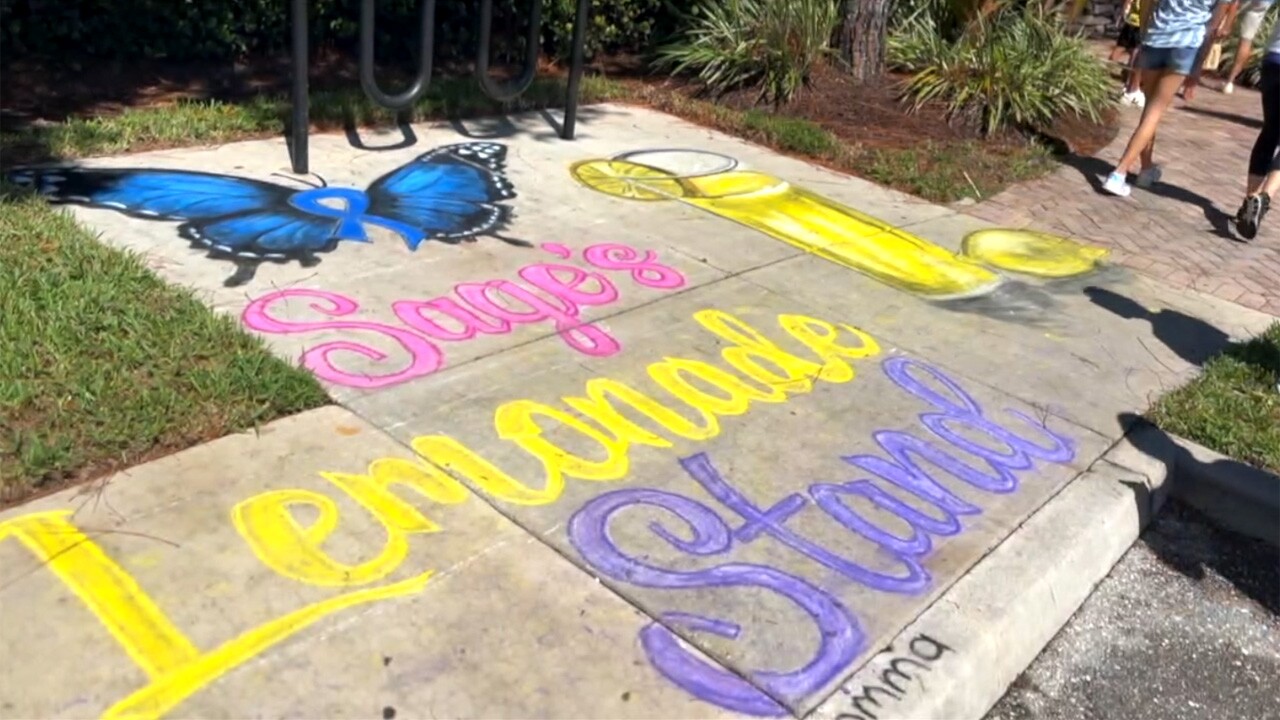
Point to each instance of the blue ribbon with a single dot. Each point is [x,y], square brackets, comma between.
[351,216]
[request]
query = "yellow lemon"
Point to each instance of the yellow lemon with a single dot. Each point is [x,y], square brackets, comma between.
[1032,253]
[629,180]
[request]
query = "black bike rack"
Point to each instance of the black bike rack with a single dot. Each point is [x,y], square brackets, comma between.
[426,34]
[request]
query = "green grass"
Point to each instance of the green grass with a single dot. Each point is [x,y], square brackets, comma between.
[104,365]
[936,172]
[1234,406]
[208,122]
[946,173]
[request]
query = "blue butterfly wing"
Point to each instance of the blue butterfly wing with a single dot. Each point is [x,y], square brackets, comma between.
[231,216]
[266,235]
[155,194]
[451,193]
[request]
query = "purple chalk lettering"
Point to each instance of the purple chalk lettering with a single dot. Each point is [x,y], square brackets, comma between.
[706,534]
[900,446]
[829,498]
[771,522]
[898,369]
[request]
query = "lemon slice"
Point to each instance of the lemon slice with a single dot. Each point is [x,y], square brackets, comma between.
[629,180]
[1032,253]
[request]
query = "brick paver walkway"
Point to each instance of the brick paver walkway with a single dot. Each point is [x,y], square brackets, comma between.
[1179,230]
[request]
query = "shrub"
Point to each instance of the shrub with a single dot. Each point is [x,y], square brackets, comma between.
[228,29]
[1018,67]
[774,44]
[618,25]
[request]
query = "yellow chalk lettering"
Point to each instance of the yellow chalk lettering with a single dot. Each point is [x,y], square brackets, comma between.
[164,693]
[454,457]
[750,348]
[176,668]
[515,422]
[373,491]
[267,523]
[110,593]
[669,374]
[598,409]
[822,338]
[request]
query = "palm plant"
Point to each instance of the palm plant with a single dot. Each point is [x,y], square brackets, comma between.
[773,44]
[1015,66]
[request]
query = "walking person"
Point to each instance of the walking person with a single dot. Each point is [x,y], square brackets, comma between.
[1129,40]
[1175,41]
[1252,13]
[1264,161]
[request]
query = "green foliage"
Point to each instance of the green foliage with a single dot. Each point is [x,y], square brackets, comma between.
[1019,67]
[228,29]
[1234,406]
[618,25]
[774,44]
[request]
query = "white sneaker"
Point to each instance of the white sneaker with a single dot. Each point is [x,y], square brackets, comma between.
[1149,177]
[1116,184]
[1228,88]
[1133,99]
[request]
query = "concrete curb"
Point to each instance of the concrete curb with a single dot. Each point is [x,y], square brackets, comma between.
[1235,496]
[960,656]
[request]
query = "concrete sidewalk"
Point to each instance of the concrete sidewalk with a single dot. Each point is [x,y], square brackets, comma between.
[697,433]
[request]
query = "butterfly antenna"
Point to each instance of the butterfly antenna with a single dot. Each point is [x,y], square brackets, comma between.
[322,184]
[512,241]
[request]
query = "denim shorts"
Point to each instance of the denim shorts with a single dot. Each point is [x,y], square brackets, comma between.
[1180,60]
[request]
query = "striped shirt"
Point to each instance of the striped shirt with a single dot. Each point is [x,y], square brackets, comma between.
[1179,23]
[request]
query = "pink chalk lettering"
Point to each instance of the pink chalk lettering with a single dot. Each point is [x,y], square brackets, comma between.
[644,269]
[495,307]
[425,356]
[583,337]
[547,278]
[411,313]
[557,249]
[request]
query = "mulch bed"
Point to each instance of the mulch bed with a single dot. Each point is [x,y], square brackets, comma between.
[873,116]
[869,115]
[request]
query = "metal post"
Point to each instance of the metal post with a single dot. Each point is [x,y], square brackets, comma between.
[575,70]
[301,109]
[426,52]
[513,90]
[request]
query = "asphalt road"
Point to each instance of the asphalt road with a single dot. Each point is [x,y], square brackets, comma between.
[1186,626]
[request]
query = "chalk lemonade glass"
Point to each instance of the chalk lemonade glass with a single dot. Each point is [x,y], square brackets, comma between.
[816,224]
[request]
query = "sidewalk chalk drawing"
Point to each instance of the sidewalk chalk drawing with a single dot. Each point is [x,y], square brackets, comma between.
[927,485]
[841,234]
[888,502]
[452,193]
[493,307]
[699,531]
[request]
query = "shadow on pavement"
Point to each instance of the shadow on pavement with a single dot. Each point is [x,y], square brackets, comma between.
[1220,115]
[1197,543]
[351,128]
[1095,170]
[1193,339]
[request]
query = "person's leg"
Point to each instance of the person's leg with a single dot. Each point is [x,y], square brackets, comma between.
[1151,88]
[1264,148]
[1135,73]
[1264,161]
[1160,86]
[1116,51]
[1237,66]
[1250,21]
